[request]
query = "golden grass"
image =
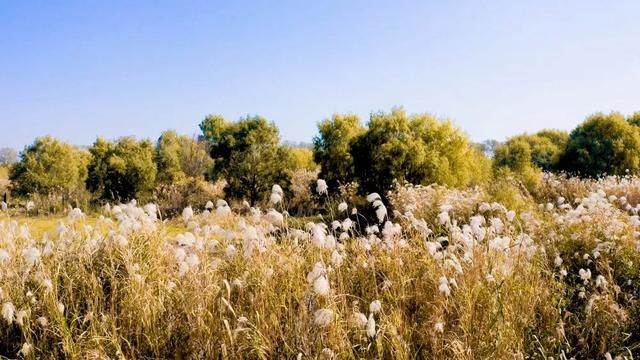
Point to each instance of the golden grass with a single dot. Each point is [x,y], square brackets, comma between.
[484,284]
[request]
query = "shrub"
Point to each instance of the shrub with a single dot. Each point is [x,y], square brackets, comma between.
[418,149]
[603,144]
[541,150]
[174,197]
[301,203]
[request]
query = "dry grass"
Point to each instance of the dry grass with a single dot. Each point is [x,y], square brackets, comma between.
[460,278]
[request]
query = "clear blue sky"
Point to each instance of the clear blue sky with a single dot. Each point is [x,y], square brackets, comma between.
[78,69]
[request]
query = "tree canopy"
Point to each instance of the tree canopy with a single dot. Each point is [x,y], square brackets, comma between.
[419,149]
[49,166]
[179,157]
[121,170]
[332,148]
[541,150]
[247,154]
[603,144]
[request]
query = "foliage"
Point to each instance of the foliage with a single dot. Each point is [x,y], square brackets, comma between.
[247,154]
[171,198]
[179,157]
[541,150]
[302,159]
[50,166]
[452,274]
[4,181]
[121,170]
[603,144]
[301,203]
[419,149]
[332,148]
[634,119]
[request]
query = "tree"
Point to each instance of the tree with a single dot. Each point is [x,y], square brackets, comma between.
[121,170]
[331,148]
[634,119]
[419,149]
[515,154]
[248,154]
[541,150]
[302,159]
[50,166]
[8,156]
[603,144]
[181,157]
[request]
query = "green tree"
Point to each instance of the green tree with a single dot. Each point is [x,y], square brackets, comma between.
[121,170]
[515,154]
[247,154]
[331,148]
[179,157]
[50,166]
[634,119]
[603,144]
[419,149]
[541,150]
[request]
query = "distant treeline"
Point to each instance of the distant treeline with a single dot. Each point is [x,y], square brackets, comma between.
[249,156]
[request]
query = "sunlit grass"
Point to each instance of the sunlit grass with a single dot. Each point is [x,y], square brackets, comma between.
[450,275]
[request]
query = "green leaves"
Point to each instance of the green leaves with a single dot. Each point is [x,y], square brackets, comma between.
[331,148]
[248,154]
[419,149]
[541,150]
[50,166]
[603,144]
[122,170]
[179,157]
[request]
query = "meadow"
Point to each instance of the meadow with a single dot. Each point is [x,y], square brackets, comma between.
[421,272]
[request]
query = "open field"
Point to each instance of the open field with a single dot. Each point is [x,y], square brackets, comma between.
[430,273]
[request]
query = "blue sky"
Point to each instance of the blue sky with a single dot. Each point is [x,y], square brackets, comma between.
[78,69]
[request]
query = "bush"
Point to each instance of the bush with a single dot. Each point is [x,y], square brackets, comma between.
[174,197]
[301,203]
[603,145]
[418,149]
[541,150]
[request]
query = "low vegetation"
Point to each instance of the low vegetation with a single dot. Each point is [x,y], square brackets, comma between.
[396,239]
[433,273]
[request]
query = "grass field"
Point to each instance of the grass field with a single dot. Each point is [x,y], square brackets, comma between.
[432,273]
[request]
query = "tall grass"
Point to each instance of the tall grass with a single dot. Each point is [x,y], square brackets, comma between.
[444,274]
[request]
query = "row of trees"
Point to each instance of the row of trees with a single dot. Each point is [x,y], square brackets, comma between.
[418,148]
[246,153]
[604,144]
[249,155]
